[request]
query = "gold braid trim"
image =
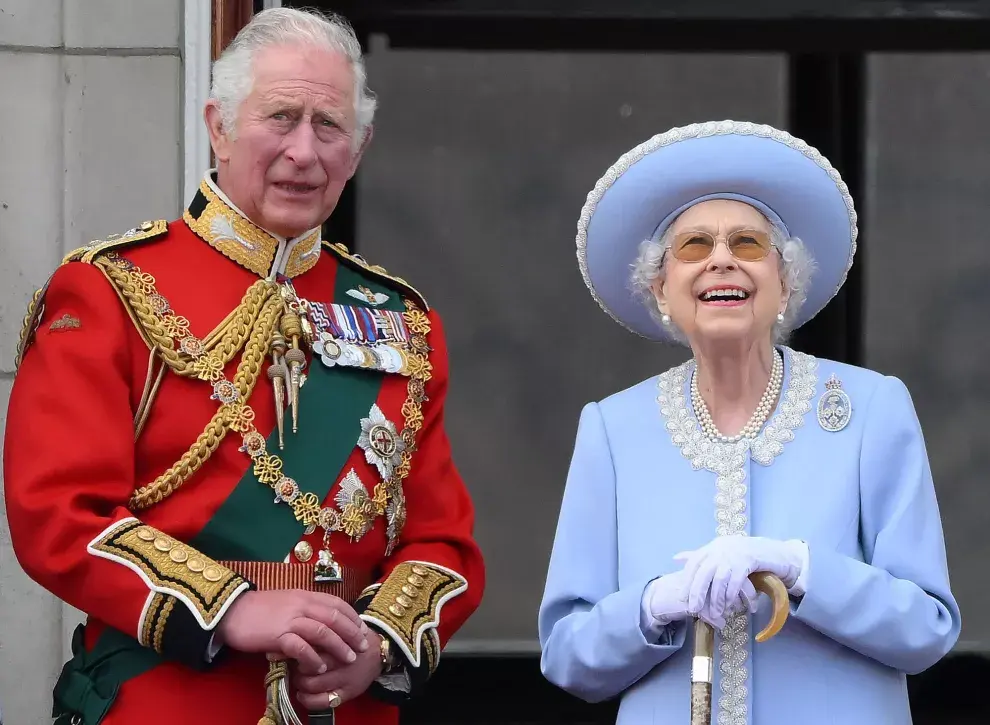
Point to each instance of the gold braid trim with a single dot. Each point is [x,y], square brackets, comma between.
[29,326]
[173,571]
[36,308]
[148,628]
[407,606]
[251,325]
[209,440]
[161,326]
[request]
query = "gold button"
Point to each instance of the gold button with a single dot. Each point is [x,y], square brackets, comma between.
[163,544]
[416,581]
[196,564]
[403,600]
[178,555]
[145,534]
[417,569]
[397,610]
[213,573]
[410,591]
[304,552]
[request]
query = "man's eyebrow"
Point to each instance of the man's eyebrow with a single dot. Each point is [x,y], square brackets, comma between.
[334,113]
[281,103]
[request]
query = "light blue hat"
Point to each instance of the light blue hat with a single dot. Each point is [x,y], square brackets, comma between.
[649,186]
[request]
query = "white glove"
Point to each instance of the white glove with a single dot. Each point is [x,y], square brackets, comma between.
[719,571]
[666,600]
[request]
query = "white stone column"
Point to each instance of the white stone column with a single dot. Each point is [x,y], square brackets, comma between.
[91,144]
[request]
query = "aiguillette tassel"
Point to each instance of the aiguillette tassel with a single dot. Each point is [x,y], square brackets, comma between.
[292,330]
[276,373]
[297,361]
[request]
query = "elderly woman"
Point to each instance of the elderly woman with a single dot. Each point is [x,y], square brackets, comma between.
[749,457]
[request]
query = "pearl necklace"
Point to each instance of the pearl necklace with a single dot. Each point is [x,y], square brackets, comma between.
[760,415]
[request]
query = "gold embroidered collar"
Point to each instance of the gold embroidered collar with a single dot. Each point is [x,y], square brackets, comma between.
[215,220]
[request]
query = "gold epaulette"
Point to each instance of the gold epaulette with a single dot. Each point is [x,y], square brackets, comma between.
[36,307]
[374,270]
[143,233]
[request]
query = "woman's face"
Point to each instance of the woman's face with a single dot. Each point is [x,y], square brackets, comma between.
[717,294]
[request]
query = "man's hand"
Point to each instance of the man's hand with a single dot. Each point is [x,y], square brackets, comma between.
[295,624]
[347,681]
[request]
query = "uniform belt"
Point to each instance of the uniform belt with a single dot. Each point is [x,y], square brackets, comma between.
[274,575]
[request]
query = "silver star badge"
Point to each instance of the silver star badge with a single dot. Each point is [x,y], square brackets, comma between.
[381,443]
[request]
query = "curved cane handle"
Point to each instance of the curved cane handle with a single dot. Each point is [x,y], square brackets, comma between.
[704,644]
[774,588]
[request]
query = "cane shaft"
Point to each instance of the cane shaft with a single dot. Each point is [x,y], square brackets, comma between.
[701,703]
[702,671]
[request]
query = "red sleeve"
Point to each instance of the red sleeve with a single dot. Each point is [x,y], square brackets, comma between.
[435,577]
[69,471]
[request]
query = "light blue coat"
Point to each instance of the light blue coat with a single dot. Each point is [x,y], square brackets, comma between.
[644,485]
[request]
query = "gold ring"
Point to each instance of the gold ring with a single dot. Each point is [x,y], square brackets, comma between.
[334,699]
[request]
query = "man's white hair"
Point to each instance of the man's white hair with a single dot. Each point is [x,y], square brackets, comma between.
[796,267]
[233,72]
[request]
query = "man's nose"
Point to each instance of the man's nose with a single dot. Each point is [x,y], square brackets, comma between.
[301,145]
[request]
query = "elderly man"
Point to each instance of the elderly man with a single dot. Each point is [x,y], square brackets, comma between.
[225,442]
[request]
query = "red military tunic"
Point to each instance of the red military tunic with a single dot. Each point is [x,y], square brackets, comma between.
[138,498]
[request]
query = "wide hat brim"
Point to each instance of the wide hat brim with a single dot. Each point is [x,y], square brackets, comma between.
[645,190]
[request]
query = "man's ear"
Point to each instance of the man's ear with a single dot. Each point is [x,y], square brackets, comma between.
[219,137]
[359,154]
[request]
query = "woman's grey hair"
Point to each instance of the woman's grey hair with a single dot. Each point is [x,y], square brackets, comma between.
[796,267]
[233,72]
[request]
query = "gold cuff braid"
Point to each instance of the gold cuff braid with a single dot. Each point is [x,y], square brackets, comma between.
[407,606]
[173,572]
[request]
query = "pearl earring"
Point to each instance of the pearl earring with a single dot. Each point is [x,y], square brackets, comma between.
[665,319]
[780,317]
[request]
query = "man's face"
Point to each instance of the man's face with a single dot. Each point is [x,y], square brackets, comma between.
[294,146]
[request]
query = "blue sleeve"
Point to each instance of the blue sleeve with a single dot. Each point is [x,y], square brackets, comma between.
[896,608]
[590,633]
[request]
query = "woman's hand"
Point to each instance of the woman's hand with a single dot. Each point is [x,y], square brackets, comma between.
[666,598]
[667,601]
[719,571]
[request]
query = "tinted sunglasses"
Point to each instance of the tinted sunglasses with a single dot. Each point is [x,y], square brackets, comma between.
[747,245]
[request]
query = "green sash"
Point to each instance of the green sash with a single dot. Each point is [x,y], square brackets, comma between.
[249,525]
[89,682]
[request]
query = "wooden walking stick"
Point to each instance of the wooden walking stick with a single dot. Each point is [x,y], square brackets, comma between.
[702,667]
